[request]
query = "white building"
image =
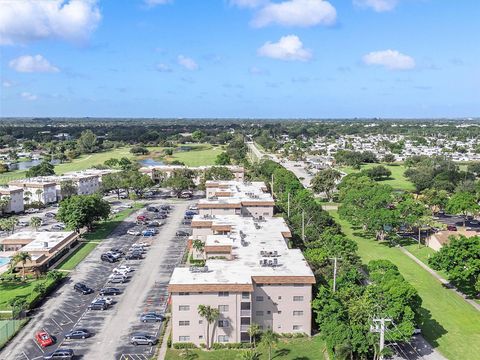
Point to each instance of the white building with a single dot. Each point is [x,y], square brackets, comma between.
[15,196]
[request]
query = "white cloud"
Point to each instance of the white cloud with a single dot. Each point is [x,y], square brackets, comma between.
[296,13]
[7,83]
[247,3]
[377,5]
[390,59]
[28,96]
[29,63]
[163,68]
[287,48]
[152,3]
[27,20]
[187,62]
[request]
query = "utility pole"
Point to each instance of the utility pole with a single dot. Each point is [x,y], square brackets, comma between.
[271,185]
[303,226]
[335,259]
[380,329]
[288,205]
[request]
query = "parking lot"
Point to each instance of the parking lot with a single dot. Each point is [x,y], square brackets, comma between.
[454,220]
[145,291]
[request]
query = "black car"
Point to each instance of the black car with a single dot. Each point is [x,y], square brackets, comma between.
[117,251]
[78,334]
[98,305]
[161,216]
[134,256]
[108,258]
[152,209]
[182,233]
[82,288]
[188,217]
[110,291]
[59,354]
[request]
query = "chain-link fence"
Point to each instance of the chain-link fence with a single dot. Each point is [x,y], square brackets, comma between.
[8,328]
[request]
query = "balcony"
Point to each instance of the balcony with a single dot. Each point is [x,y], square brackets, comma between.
[245,312]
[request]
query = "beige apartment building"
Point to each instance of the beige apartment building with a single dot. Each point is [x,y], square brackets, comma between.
[37,189]
[159,172]
[237,198]
[250,275]
[15,195]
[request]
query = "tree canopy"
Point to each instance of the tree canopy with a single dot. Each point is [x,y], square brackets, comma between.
[79,211]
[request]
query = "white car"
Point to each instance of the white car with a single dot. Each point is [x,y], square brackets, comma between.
[123,272]
[107,299]
[58,227]
[141,244]
[134,232]
[123,268]
[193,207]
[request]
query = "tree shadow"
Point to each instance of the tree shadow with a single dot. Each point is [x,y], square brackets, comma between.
[432,330]
[281,352]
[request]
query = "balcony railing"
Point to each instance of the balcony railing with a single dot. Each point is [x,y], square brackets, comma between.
[245,312]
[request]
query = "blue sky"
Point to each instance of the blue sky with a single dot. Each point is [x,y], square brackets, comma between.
[240,58]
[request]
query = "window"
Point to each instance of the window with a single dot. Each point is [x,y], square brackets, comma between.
[183,307]
[245,295]
[298,298]
[297,327]
[200,322]
[279,298]
[222,338]
[184,338]
[259,298]
[269,312]
[200,337]
[223,323]
[297,313]
[184,323]
[259,313]
[223,308]
[223,293]
[183,293]
[279,312]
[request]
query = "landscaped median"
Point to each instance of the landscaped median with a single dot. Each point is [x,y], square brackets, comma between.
[286,349]
[448,322]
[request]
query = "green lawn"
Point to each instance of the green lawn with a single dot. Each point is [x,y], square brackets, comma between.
[288,349]
[102,230]
[448,322]
[397,181]
[201,154]
[12,289]
[81,163]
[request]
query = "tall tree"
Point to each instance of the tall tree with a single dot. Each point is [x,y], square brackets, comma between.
[87,141]
[325,181]
[22,257]
[83,210]
[269,339]
[463,203]
[210,315]
[35,222]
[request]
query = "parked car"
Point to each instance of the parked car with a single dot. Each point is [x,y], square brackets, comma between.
[109,291]
[143,339]
[161,216]
[43,339]
[78,334]
[50,214]
[152,209]
[188,217]
[191,212]
[155,224]
[193,207]
[58,354]
[108,258]
[148,233]
[182,233]
[107,299]
[142,218]
[22,223]
[82,288]
[120,272]
[151,317]
[473,222]
[134,256]
[186,194]
[58,227]
[451,228]
[186,221]
[98,305]
[123,268]
[117,251]
[134,232]
[117,279]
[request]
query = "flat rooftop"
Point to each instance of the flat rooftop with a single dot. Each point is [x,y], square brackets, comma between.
[238,192]
[252,241]
[38,241]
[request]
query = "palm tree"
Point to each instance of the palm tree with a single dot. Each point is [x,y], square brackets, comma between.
[198,245]
[39,193]
[35,222]
[254,330]
[4,201]
[28,196]
[211,315]
[12,222]
[22,257]
[249,355]
[269,339]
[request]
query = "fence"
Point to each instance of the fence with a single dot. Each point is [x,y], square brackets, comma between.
[8,328]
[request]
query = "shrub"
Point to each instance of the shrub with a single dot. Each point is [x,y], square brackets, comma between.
[184,345]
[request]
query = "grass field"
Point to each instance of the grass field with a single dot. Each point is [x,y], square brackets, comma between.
[447,321]
[397,181]
[93,238]
[289,349]
[201,154]
[81,163]
[12,289]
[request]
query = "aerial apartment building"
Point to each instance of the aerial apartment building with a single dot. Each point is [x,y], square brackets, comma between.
[15,196]
[250,276]
[160,172]
[41,189]
[237,198]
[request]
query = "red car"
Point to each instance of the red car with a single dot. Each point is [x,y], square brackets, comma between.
[451,228]
[43,338]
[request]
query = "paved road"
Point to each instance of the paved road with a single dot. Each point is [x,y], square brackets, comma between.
[146,290]
[417,349]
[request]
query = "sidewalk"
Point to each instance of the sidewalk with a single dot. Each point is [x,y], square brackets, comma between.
[440,278]
[163,348]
